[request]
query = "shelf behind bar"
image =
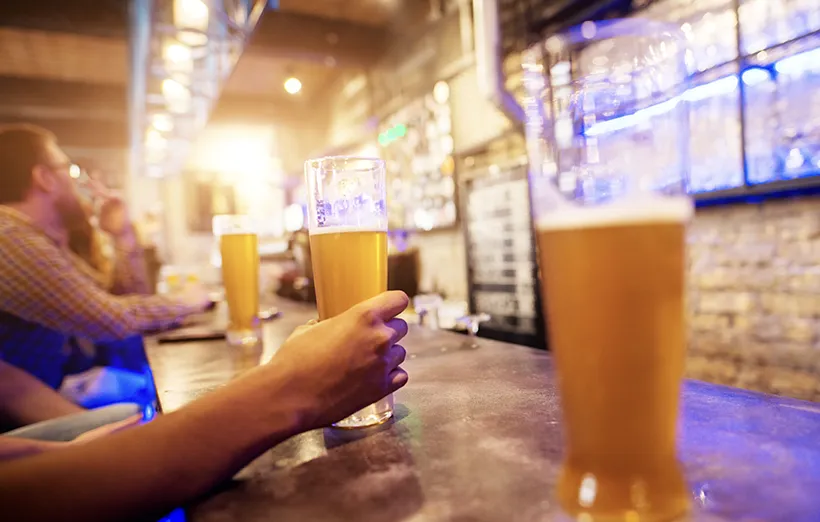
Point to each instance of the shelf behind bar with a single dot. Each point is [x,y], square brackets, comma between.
[807,185]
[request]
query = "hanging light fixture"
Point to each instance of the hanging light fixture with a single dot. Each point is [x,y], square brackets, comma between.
[293,85]
[178,57]
[191,17]
[182,52]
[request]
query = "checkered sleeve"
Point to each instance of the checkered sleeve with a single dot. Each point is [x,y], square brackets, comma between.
[130,275]
[40,284]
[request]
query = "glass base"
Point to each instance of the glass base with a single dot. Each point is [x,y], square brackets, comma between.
[648,495]
[626,516]
[243,337]
[377,413]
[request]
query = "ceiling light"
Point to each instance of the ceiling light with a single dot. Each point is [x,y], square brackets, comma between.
[191,17]
[191,14]
[293,85]
[176,95]
[441,93]
[162,122]
[154,139]
[178,57]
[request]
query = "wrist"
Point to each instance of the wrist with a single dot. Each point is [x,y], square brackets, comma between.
[265,399]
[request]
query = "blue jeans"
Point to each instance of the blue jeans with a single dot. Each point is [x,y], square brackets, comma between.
[64,429]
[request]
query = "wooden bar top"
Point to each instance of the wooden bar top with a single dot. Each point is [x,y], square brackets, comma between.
[477,437]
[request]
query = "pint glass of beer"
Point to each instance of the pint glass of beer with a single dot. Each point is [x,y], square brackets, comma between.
[348,244]
[238,246]
[611,210]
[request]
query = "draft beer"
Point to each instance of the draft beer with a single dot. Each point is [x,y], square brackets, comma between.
[614,283]
[610,204]
[348,245]
[238,247]
[349,266]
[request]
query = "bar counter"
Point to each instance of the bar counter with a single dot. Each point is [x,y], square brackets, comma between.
[477,437]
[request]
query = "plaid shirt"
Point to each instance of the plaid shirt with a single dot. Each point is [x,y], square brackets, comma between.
[47,293]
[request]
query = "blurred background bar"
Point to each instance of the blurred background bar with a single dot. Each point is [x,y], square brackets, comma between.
[197,108]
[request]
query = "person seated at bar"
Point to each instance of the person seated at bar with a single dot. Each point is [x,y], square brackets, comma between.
[98,374]
[47,293]
[320,375]
[44,420]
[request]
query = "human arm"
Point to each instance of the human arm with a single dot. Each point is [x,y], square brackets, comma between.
[25,400]
[13,446]
[319,376]
[129,273]
[40,284]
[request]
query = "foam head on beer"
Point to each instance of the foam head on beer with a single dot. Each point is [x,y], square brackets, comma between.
[630,211]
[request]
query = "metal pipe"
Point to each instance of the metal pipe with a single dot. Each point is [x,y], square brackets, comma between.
[139,42]
[487,30]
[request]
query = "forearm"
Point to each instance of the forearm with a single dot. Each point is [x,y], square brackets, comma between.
[153,468]
[76,305]
[25,400]
[14,448]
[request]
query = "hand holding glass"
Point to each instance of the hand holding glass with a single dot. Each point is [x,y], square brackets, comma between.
[348,245]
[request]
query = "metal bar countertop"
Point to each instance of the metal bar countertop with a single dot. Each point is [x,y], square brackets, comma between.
[477,437]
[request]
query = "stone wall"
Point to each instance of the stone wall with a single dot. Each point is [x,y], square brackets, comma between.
[755,296]
[754,293]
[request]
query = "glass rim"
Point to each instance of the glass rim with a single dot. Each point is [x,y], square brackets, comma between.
[318,163]
[238,223]
[607,30]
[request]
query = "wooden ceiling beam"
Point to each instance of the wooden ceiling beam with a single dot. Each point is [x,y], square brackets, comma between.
[105,18]
[91,134]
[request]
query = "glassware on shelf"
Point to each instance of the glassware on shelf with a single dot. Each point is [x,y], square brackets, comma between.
[714,130]
[709,27]
[783,112]
[766,23]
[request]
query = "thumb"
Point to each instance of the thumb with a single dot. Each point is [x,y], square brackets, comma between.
[387,305]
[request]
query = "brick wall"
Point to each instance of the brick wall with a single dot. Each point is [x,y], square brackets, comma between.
[755,296]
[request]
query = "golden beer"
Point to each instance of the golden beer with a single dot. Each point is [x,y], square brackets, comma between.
[240,275]
[350,266]
[614,288]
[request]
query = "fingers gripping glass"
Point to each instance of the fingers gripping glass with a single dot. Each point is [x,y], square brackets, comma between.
[348,245]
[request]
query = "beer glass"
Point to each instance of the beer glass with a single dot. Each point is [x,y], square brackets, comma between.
[347,223]
[238,246]
[608,175]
